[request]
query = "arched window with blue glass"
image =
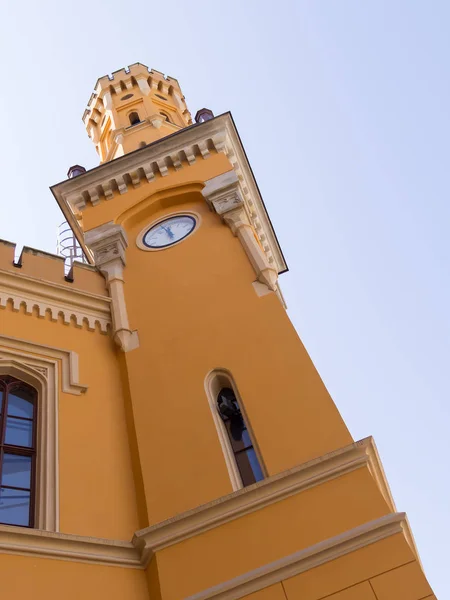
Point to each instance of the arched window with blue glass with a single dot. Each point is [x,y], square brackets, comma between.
[239,436]
[18,416]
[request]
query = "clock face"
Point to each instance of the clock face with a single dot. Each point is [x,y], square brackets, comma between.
[169,232]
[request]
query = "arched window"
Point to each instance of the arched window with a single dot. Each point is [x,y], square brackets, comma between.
[241,444]
[167,118]
[18,407]
[134,118]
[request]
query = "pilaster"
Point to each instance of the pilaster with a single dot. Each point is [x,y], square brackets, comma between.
[223,194]
[108,244]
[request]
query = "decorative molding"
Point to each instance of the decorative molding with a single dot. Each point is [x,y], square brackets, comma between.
[306,559]
[259,495]
[138,552]
[117,553]
[47,490]
[37,365]
[44,356]
[44,544]
[57,300]
[108,244]
[179,150]
[222,194]
[214,382]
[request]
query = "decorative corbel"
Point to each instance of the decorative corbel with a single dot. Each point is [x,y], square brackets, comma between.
[143,84]
[156,120]
[109,108]
[222,193]
[108,244]
[119,135]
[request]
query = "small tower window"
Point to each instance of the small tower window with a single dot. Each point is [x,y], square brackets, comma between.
[241,444]
[134,118]
[166,117]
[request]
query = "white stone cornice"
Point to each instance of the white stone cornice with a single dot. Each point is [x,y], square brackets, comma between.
[118,553]
[359,455]
[108,244]
[222,193]
[179,150]
[57,300]
[146,542]
[306,559]
[44,544]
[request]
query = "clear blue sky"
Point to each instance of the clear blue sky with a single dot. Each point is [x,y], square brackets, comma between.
[343,107]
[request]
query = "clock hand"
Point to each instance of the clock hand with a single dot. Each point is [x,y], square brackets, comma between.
[168,231]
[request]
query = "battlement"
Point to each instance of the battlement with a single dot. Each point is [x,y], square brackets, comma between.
[123,80]
[49,268]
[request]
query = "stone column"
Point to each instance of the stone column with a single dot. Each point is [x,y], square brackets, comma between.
[108,244]
[223,194]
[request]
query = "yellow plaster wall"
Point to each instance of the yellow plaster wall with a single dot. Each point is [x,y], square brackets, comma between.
[351,569]
[97,494]
[50,268]
[196,310]
[273,592]
[46,579]
[384,570]
[406,582]
[269,534]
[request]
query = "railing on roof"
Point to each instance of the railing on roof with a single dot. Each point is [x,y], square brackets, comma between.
[68,246]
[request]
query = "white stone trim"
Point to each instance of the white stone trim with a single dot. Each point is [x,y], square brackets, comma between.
[306,559]
[213,384]
[43,544]
[137,554]
[273,489]
[108,244]
[222,193]
[58,300]
[179,150]
[37,365]
[118,553]
[45,381]
[16,347]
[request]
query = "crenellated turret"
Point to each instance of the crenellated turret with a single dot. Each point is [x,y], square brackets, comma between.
[132,108]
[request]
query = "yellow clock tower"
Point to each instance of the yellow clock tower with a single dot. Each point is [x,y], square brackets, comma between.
[185,446]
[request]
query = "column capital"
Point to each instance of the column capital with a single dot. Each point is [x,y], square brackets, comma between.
[222,193]
[108,243]
[143,84]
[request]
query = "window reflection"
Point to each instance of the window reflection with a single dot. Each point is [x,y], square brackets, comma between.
[17,451]
[241,444]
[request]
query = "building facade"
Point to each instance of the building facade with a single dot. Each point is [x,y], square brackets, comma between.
[164,434]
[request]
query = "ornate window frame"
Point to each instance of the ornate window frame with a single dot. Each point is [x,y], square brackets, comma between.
[40,366]
[214,382]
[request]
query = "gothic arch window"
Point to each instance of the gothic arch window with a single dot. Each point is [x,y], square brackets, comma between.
[241,455]
[18,418]
[134,118]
